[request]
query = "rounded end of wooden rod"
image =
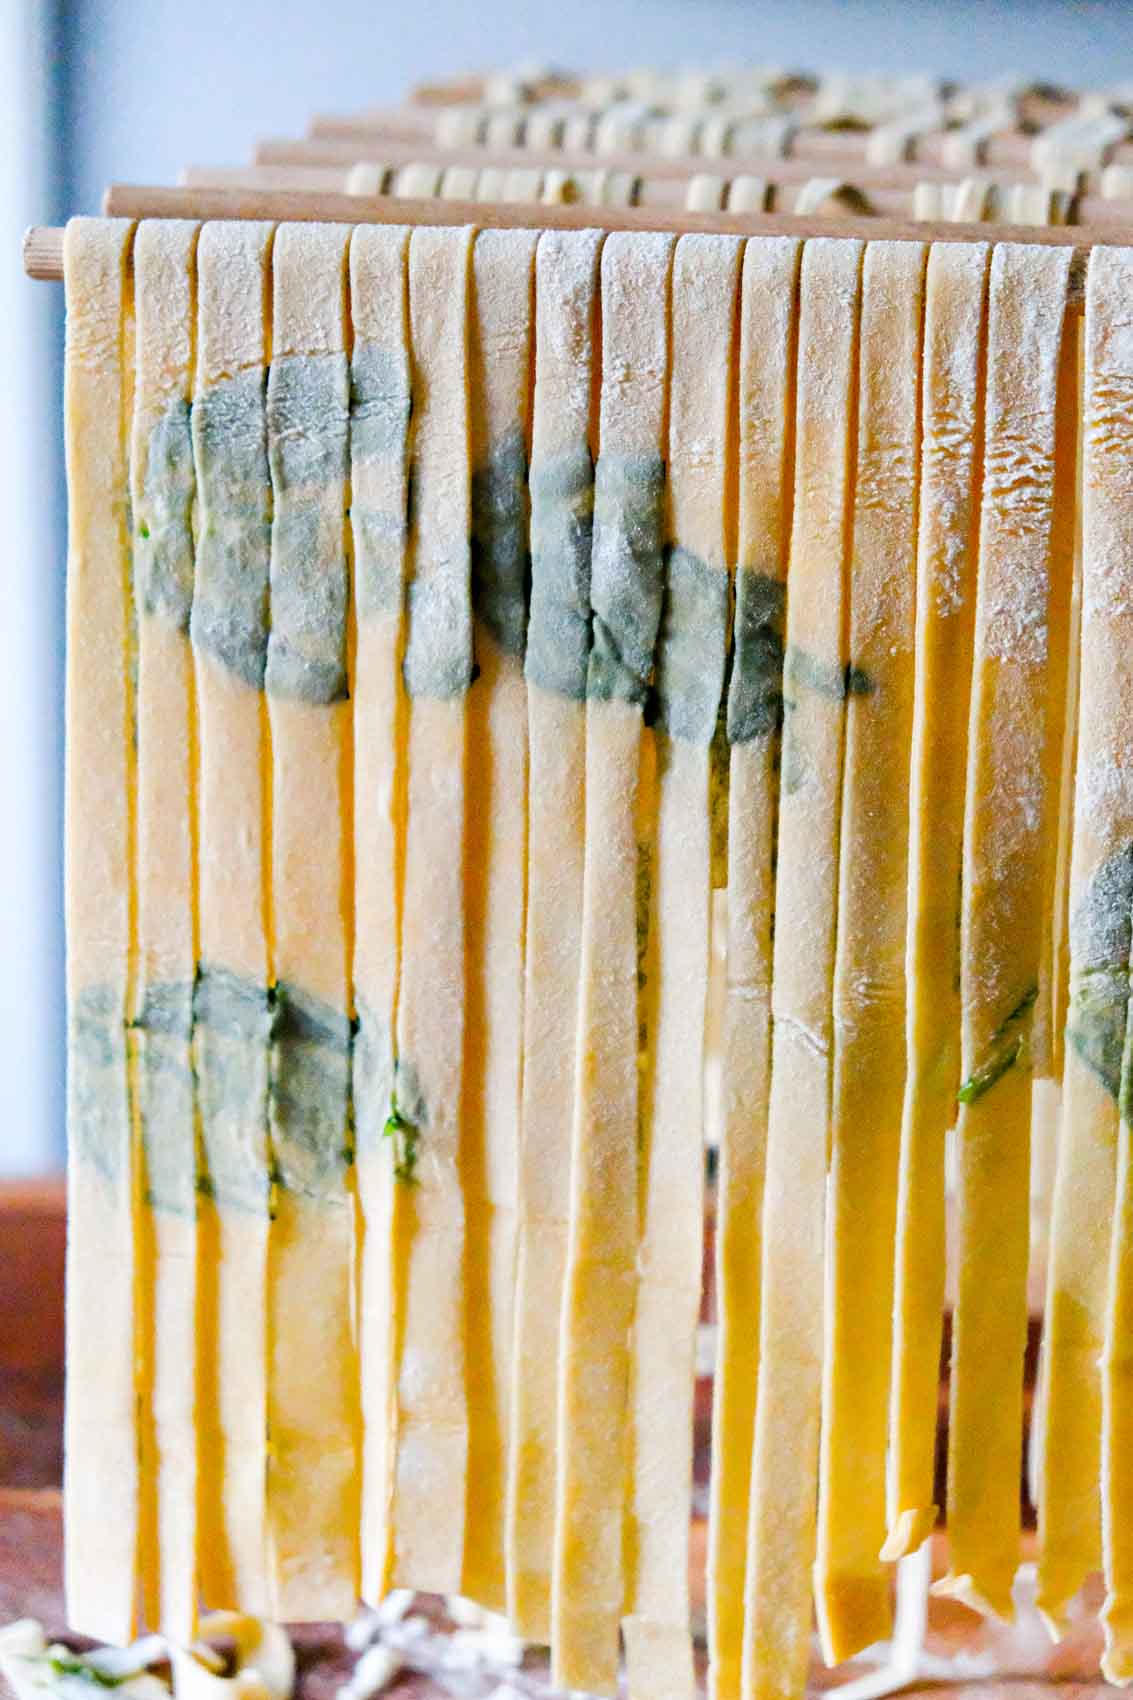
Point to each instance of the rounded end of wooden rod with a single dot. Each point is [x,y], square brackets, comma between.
[43,252]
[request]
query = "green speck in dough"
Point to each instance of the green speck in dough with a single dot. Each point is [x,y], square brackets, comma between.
[70,1664]
[1006,1046]
[405,1137]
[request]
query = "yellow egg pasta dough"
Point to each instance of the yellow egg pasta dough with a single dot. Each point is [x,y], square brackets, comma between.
[590,1579]
[312,1467]
[1097,1035]
[1003,873]
[947,536]
[162,490]
[101,1486]
[765,392]
[784,1467]
[561,484]
[430,1458]
[379,479]
[232,1012]
[692,645]
[500,350]
[852,1582]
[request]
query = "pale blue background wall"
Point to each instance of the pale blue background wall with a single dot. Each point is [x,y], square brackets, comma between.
[95,90]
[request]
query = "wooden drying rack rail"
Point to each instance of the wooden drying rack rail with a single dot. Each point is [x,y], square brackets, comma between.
[326,159]
[887,193]
[1036,97]
[43,246]
[1009,147]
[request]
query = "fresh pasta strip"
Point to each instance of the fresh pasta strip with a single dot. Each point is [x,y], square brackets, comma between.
[430,1466]
[100,1481]
[1036,203]
[691,652]
[232,1012]
[1003,875]
[974,199]
[459,126]
[459,183]
[929,200]
[1077,143]
[1054,980]
[1117,1477]
[706,193]
[561,484]
[1083,1308]
[312,1382]
[1060,919]
[420,181]
[965,148]
[578,131]
[1062,634]
[522,185]
[754,710]
[1050,1004]
[747,194]
[620,129]
[784,1467]
[852,1582]
[379,469]
[680,135]
[1107,528]
[544,129]
[503,275]
[504,129]
[491,184]
[590,1580]
[828,195]
[367,178]
[895,140]
[161,499]
[947,536]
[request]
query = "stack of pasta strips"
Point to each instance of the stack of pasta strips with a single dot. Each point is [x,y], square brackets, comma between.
[467,607]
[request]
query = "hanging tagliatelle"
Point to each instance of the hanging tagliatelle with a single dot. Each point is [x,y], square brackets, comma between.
[449,613]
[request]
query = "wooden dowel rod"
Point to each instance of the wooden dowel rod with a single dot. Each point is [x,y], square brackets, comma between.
[312,152]
[141,201]
[654,190]
[1040,102]
[43,252]
[463,91]
[1009,147]
[43,248]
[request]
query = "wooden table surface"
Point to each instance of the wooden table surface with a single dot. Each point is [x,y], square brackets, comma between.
[32,1234]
